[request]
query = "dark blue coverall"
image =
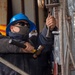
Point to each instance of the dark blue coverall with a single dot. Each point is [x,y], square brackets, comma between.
[25,61]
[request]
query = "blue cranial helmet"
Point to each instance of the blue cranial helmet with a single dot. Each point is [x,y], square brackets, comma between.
[19,17]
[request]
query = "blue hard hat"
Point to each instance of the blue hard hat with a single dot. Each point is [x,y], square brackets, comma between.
[19,17]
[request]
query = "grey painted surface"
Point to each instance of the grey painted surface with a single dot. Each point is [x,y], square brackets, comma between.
[71,6]
[73,51]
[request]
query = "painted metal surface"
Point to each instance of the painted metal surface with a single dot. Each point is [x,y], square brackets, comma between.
[3,16]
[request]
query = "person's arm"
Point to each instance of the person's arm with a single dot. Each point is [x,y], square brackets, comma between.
[6,47]
[51,24]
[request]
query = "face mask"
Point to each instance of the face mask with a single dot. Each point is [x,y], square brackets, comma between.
[24,30]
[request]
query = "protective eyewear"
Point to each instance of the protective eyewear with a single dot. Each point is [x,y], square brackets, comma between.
[23,23]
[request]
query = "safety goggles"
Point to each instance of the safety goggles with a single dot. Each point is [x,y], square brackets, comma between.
[22,23]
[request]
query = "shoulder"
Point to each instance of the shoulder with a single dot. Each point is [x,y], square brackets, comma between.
[4,37]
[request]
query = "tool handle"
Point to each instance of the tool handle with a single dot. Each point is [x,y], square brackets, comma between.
[11,41]
[48,33]
[38,52]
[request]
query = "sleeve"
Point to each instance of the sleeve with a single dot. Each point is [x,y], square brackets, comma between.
[43,39]
[47,42]
[5,47]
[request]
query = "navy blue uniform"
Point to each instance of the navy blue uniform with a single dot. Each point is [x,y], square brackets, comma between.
[26,62]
